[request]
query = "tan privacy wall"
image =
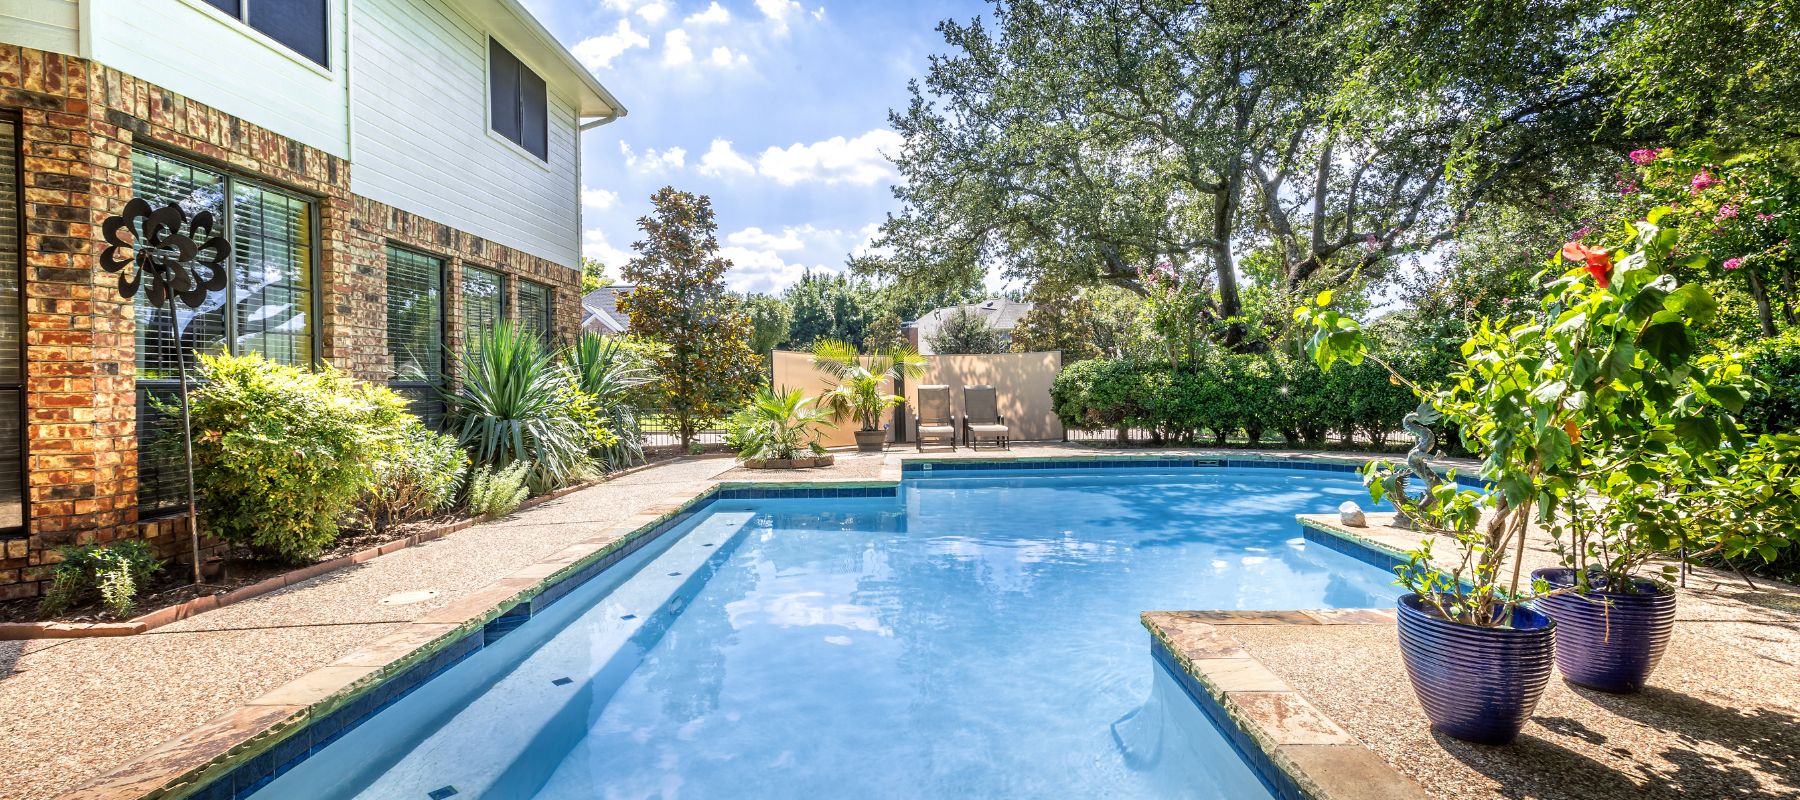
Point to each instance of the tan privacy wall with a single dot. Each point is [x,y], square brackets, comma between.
[1020,380]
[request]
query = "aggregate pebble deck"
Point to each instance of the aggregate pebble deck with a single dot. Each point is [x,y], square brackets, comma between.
[77,708]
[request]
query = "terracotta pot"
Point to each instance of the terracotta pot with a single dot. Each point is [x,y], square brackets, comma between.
[871,441]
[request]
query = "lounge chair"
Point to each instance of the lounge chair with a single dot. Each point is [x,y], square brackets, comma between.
[933,418]
[981,417]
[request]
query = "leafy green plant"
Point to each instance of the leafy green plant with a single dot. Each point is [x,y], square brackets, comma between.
[496,492]
[118,571]
[966,332]
[863,381]
[281,453]
[1579,413]
[513,407]
[775,425]
[418,477]
[609,373]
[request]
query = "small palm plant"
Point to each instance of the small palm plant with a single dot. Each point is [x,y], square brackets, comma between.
[776,425]
[863,384]
[509,410]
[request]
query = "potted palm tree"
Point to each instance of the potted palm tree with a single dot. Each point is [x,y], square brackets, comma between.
[864,383]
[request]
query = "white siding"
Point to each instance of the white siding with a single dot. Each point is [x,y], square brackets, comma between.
[52,25]
[191,49]
[419,131]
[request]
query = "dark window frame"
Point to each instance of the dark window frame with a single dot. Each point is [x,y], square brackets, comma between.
[315,306]
[444,365]
[545,325]
[518,115]
[503,306]
[242,16]
[17,143]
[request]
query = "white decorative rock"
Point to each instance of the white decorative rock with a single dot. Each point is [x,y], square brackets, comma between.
[1351,514]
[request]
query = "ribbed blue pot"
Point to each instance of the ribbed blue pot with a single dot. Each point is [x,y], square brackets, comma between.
[1476,684]
[1608,641]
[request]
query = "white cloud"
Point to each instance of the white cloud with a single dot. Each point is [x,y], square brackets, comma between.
[714,14]
[723,57]
[595,245]
[620,6]
[653,12]
[759,239]
[676,50]
[597,52]
[598,198]
[652,160]
[778,11]
[720,159]
[836,160]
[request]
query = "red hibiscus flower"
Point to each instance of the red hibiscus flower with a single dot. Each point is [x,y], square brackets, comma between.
[1599,262]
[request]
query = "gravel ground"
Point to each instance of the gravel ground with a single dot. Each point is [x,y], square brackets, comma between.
[1717,721]
[77,708]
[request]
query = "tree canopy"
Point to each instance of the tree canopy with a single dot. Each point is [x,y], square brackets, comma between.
[1084,141]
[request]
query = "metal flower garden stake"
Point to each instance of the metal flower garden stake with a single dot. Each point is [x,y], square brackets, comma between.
[165,258]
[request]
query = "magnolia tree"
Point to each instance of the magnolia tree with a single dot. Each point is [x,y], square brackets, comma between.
[706,365]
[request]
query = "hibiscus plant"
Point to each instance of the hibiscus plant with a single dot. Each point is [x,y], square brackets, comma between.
[1579,412]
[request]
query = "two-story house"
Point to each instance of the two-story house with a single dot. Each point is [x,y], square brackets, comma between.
[394,176]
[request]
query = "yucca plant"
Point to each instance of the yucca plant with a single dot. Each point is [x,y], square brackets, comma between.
[607,371]
[863,381]
[508,409]
[775,425]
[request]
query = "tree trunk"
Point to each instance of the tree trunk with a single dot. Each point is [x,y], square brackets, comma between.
[1765,316]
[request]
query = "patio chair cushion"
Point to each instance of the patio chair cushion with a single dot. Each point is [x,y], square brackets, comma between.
[989,429]
[937,430]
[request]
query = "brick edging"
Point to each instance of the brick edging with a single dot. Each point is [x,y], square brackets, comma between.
[15,631]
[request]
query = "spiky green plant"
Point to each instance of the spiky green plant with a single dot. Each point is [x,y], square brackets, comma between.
[508,409]
[608,372]
[775,425]
[863,381]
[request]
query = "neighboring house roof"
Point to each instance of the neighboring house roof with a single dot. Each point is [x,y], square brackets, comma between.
[1001,313]
[515,27]
[600,310]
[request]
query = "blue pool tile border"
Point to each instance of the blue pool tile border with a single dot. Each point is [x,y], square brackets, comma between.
[809,492]
[1374,557]
[918,467]
[1278,783]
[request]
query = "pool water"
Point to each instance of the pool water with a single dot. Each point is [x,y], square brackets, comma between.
[972,637]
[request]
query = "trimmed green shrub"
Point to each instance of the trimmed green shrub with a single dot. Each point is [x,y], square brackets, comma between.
[118,571]
[417,478]
[1774,408]
[282,453]
[496,493]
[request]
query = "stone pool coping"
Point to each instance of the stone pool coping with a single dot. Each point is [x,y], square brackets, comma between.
[237,752]
[1298,750]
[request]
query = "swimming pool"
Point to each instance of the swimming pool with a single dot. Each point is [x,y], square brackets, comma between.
[973,635]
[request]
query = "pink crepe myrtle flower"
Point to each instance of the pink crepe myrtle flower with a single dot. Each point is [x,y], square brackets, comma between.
[1372,242]
[1642,157]
[1627,187]
[1582,232]
[1734,262]
[1702,181]
[1761,217]
[1727,211]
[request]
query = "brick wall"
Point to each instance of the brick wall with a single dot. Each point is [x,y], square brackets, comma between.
[79,121]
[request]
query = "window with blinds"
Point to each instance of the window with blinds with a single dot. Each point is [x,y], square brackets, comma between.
[415,330]
[534,308]
[266,307]
[483,305]
[12,373]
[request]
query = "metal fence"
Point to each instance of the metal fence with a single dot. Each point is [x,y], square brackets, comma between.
[660,433]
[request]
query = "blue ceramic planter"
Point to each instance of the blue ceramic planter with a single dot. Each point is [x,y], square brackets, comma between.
[1476,684]
[1609,641]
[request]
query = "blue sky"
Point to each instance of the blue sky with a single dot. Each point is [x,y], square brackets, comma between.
[776,108]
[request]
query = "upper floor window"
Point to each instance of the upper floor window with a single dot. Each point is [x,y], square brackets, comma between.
[301,25]
[518,105]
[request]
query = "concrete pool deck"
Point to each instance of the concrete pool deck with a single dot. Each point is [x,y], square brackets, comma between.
[127,708]
[1720,718]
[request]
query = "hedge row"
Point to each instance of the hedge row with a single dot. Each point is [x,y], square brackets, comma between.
[1776,407]
[1257,395]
